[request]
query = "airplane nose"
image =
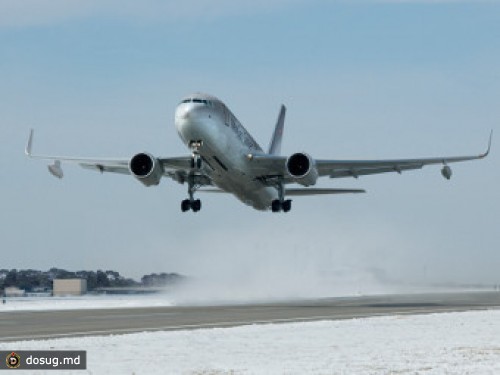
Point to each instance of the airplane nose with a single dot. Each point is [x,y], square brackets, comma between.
[185,119]
[183,112]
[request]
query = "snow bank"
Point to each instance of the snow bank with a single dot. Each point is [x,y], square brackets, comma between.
[448,343]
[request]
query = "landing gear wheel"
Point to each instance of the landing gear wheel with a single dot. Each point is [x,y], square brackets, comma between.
[196,205]
[185,205]
[276,205]
[286,205]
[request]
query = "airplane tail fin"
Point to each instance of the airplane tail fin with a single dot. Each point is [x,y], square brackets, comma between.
[29,145]
[275,145]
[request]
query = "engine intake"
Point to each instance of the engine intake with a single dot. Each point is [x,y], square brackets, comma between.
[302,168]
[146,169]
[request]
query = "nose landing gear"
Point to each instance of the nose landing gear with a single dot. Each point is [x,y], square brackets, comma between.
[196,164]
[191,203]
[196,161]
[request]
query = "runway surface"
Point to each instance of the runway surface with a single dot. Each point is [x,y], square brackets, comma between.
[29,325]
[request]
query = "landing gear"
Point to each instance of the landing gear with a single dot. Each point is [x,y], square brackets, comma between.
[277,205]
[191,203]
[193,178]
[194,205]
[281,204]
[196,162]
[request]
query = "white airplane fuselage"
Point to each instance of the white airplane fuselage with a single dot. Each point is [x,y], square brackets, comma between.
[224,148]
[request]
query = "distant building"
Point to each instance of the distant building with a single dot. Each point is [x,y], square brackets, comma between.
[69,287]
[13,291]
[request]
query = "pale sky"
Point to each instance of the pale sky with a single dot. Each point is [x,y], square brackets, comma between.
[361,79]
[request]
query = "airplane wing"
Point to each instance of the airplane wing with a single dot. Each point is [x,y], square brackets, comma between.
[176,168]
[272,167]
[356,168]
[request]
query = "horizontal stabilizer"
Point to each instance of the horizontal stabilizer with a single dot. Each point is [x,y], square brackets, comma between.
[305,191]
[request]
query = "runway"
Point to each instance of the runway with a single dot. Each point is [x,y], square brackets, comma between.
[33,325]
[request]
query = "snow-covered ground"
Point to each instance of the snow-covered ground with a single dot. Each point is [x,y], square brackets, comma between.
[448,343]
[85,302]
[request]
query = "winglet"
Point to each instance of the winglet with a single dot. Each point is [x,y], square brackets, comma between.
[489,146]
[275,145]
[29,145]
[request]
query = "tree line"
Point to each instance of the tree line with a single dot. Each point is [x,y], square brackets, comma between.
[36,281]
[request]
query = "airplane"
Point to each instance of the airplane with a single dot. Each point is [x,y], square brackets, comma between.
[226,158]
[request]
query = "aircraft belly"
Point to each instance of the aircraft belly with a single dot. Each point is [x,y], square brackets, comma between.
[227,171]
[247,190]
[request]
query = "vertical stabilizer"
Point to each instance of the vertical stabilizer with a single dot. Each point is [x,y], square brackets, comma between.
[275,145]
[29,145]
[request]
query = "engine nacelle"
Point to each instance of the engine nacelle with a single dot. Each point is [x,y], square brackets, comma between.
[146,169]
[446,172]
[302,168]
[56,170]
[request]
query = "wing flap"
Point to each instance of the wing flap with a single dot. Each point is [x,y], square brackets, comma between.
[312,191]
[214,191]
[176,163]
[361,171]
[101,167]
[267,165]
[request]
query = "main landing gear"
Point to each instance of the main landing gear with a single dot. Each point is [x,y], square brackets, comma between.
[196,164]
[188,204]
[281,204]
[277,205]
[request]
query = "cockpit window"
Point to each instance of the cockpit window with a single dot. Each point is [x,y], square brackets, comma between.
[200,101]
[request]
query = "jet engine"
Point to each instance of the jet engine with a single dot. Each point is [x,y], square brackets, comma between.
[146,168]
[302,168]
[446,172]
[56,170]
